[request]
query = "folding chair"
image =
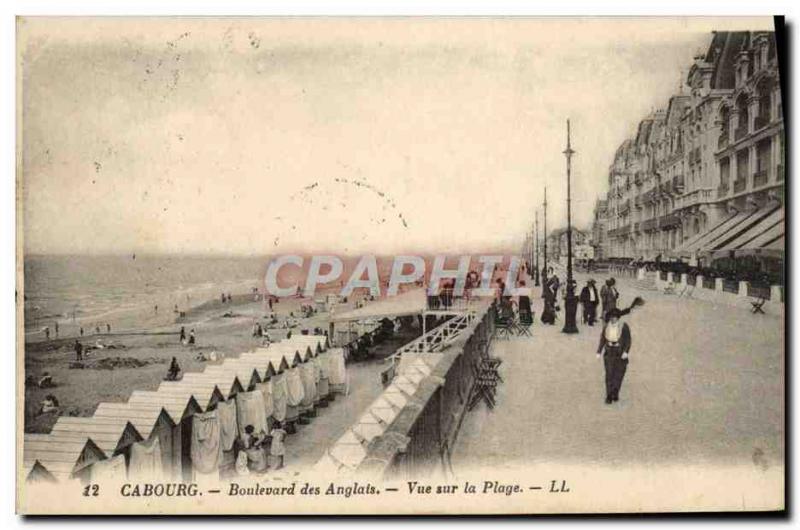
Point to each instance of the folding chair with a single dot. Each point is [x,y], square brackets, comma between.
[487,359]
[502,327]
[757,306]
[524,325]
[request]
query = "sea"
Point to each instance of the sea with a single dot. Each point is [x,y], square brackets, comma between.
[94,291]
[145,291]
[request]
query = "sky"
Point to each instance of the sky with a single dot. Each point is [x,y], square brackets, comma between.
[263,136]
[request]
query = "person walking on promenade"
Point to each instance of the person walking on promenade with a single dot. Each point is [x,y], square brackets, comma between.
[589,298]
[183,335]
[191,337]
[615,345]
[609,296]
[524,307]
[78,350]
[549,296]
[555,284]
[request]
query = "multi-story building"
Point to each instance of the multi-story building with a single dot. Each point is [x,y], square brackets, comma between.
[703,178]
[599,235]
[582,247]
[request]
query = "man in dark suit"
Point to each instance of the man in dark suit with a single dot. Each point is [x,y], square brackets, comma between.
[589,298]
[609,296]
[615,345]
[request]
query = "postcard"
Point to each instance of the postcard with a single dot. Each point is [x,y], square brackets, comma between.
[428,266]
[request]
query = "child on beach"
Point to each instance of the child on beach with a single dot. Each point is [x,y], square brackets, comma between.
[191,337]
[277,449]
[253,445]
[241,465]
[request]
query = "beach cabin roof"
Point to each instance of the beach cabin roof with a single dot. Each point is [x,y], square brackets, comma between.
[227,381]
[102,440]
[60,471]
[269,372]
[258,361]
[126,433]
[206,396]
[276,355]
[39,473]
[239,381]
[179,405]
[297,359]
[147,419]
[60,456]
[245,370]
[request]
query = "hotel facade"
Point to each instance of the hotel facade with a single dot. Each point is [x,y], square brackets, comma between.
[703,178]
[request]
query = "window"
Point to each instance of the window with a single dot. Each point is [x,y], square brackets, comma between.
[744,116]
[765,102]
[725,121]
[724,171]
[742,163]
[763,149]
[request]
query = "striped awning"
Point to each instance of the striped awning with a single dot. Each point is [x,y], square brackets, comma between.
[766,233]
[701,241]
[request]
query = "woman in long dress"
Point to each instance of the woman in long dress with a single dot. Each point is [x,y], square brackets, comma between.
[549,311]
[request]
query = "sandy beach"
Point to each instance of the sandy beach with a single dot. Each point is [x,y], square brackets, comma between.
[138,358]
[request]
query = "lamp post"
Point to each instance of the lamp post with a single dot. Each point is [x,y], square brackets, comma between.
[570,302]
[544,237]
[536,242]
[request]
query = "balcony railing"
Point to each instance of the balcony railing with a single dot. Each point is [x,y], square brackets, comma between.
[669,220]
[694,197]
[739,185]
[740,133]
[621,231]
[761,122]
[760,178]
[779,173]
[677,183]
[722,142]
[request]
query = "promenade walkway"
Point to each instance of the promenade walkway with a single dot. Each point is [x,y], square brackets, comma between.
[704,387]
